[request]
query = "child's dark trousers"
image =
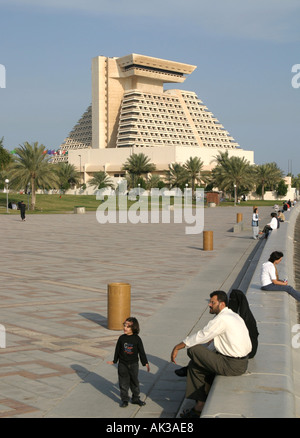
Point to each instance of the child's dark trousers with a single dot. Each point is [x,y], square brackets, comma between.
[128,379]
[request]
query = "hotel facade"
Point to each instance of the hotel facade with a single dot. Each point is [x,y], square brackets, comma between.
[131,113]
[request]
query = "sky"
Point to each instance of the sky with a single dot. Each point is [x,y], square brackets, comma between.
[246,52]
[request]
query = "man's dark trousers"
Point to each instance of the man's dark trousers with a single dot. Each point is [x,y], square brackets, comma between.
[204,365]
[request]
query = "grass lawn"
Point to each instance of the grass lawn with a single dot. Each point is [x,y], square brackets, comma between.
[51,203]
[256,203]
[66,203]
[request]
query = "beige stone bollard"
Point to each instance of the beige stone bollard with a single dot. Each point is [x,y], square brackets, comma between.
[79,210]
[118,304]
[208,237]
[239,218]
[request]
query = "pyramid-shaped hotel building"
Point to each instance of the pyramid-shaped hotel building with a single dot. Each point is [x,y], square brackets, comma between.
[132,113]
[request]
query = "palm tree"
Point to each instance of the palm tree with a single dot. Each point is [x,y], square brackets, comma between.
[232,173]
[222,159]
[262,175]
[276,175]
[5,156]
[101,180]
[67,174]
[138,165]
[267,174]
[31,166]
[296,181]
[177,175]
[193,166]
[153,182]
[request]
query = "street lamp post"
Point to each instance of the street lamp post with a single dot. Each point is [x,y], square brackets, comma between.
[7,182]
[234,194]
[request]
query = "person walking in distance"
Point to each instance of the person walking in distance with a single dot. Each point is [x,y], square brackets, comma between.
[22,208]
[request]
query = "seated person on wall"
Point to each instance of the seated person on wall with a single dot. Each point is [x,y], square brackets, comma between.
[269,277]
[227,353]
[273,225]
[281,216]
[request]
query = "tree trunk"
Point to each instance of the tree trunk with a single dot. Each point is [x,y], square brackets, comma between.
[193,188]
[33,197]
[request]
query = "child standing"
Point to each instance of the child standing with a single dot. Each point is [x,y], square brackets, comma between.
[255,227]
[128,350]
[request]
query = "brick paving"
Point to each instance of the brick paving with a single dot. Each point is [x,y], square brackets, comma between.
[53,295]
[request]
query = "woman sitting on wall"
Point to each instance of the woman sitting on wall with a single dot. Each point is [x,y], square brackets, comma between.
[273,225]
[270,280]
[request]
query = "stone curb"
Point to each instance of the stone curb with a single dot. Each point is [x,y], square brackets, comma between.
[268,389]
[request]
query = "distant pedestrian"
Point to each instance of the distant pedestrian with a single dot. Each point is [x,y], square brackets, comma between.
[129,350]
[22,208]
[255,227]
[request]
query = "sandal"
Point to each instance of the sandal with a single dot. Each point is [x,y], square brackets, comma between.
[190,413]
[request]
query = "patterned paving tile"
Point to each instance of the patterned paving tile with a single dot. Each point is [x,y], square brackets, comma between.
[53,294]
[11,408]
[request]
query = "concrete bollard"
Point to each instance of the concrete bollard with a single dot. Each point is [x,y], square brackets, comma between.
[208,237]
[118,304]
[239,218]
[79,210]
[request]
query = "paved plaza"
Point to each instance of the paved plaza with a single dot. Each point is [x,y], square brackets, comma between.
[54,275]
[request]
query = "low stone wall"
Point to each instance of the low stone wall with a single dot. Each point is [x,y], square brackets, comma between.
[271,386]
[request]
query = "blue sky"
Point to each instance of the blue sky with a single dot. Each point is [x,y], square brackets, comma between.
[244,52]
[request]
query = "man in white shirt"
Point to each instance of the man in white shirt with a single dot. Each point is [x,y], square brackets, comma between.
[230,337]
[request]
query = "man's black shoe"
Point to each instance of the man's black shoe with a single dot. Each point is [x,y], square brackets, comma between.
[123,404]
[138,402]
[182,372]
